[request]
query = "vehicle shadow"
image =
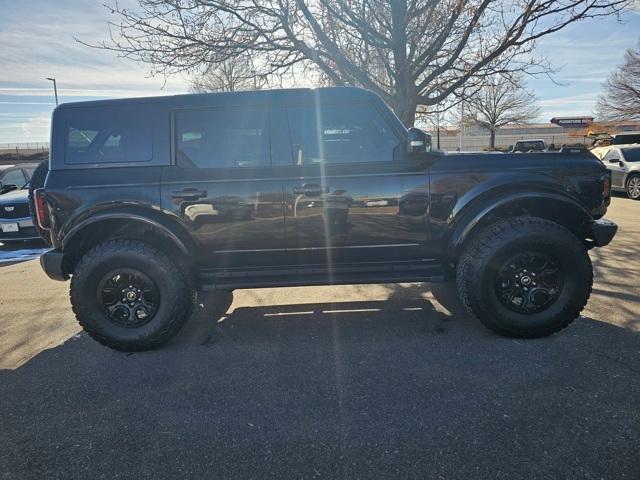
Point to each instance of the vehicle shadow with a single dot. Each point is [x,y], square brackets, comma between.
[402,387]
[408,308]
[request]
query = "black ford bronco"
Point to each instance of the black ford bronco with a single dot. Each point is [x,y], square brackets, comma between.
[146,201]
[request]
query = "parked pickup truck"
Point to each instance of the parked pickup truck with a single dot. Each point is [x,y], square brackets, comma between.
[148,200]
[524,146]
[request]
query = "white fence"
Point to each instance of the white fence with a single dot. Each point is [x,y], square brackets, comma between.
[18,149]
[481,142]
[447,142]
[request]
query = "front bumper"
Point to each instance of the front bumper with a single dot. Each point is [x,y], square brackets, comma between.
[602,232]
[52,262]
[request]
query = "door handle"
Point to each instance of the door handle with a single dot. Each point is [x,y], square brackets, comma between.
[189,194]
[310,190]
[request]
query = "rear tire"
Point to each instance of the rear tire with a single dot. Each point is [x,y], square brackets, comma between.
[633,187]
[130,296]
[37,181]
[492,286]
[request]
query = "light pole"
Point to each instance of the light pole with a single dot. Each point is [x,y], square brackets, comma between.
[55,88]
[461,125]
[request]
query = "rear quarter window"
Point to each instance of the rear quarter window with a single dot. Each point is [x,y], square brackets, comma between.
[110,134]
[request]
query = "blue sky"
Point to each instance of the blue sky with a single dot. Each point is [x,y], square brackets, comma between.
[36,41]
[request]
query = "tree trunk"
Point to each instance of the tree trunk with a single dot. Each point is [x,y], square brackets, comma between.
[492,139]
[405,105]
[406,112]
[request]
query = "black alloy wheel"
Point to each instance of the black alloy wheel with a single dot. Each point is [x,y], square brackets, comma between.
[129,297]
[529,282]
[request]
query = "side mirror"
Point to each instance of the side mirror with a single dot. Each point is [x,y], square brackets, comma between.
[510,147]
[418,142]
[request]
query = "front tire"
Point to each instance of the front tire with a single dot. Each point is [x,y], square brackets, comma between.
[129,296]
[633,187]
[525,277]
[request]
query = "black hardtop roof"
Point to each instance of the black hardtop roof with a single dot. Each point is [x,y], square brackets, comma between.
[338,94]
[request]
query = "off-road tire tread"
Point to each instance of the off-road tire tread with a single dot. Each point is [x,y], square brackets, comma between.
[182,300]
[483,246]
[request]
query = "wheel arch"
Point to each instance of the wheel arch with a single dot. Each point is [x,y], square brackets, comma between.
[552,206]
[150,227]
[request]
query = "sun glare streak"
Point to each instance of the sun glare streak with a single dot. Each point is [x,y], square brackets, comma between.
[323,183]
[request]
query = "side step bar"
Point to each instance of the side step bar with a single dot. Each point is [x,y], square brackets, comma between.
[290,276]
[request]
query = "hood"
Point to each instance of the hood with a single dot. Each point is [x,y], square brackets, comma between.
[16,196]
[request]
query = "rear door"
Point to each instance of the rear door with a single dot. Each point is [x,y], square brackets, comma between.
[350,192]
[223,188]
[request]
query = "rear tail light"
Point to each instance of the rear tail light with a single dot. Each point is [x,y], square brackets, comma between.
[41,208]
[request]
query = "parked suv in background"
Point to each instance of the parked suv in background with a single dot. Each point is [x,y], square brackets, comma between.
[626,138]
[624,164]
[16,223]
[147,200]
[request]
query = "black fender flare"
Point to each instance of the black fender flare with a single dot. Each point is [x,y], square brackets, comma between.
[477,212]
[141,218]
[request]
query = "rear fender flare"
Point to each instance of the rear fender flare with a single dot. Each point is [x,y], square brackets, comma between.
[141,219]
[478,213]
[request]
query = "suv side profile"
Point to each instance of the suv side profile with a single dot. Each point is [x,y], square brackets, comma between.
[148,200]
[624,164]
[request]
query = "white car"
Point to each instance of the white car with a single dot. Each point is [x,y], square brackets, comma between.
[624,164]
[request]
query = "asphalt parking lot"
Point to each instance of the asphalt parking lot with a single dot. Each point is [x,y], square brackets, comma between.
[389,381]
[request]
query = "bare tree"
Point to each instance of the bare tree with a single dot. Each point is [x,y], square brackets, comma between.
[410,52]
[621,99]
[501,101]
[230,75]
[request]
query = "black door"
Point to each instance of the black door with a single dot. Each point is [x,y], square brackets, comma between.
[351,195]
[223,187]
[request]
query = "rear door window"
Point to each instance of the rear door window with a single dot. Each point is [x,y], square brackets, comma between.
[225,137]
[108,135]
